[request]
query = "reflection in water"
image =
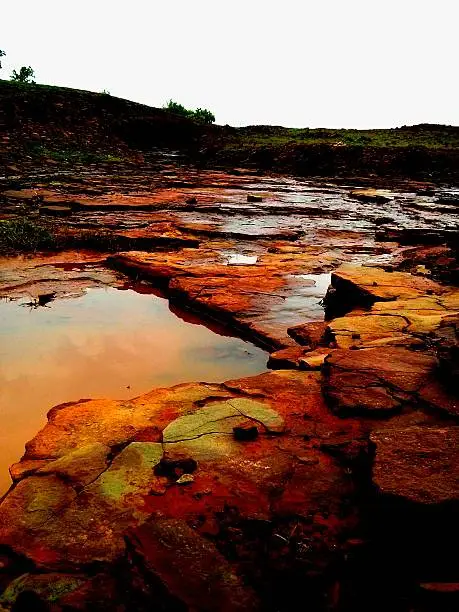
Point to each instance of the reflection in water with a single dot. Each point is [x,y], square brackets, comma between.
[108,343]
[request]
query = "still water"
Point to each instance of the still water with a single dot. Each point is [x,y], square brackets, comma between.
[107,343]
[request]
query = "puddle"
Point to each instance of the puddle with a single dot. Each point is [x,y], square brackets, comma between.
[242,260]
[304,300]
[106,343]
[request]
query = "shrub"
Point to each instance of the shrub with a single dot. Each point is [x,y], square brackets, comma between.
[24,235]
[25,75]
[200,115]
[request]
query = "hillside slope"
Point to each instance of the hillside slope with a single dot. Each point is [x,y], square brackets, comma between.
[39,121]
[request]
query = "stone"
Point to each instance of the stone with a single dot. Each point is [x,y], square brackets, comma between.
[308,334]
[190,569]
[220,418]
[245,432]
[48,588]
[314,360]
[417,464]
[367,285]
[56,211]
[375,380]
[81,466]
[371,195]
[185,479]
[286,359]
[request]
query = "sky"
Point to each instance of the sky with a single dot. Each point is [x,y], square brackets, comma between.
[299,63]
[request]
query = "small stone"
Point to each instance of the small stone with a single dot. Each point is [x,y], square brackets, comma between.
[308,460]
[192,200]
[245,433]
[185,479]
[172,468]
[254,198]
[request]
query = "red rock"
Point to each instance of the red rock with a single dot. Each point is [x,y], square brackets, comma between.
[309,334]
[190,568]
[417,464]
[288,358]
[375,380]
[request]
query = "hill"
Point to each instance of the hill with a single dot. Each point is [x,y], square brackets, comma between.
[67,125]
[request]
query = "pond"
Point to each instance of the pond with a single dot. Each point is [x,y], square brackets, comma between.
[106,343]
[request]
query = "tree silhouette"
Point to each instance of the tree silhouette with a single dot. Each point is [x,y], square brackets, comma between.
[25,75]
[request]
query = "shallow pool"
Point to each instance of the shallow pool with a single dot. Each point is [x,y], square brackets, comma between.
[106,343]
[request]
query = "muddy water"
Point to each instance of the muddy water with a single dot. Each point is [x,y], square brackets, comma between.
[107,343]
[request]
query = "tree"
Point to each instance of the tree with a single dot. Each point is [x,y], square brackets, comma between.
[25,75]
[178,109]
[200,115]
[2,54]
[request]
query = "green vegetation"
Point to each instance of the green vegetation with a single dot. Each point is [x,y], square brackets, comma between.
[23,234]
[2,54]
[72,155]
[25,75]
[428,136]
[200,115]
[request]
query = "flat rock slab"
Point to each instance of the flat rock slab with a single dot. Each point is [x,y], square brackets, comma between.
[377,380]
[261,304]
[56,211]
[417,464]
[374,284]
[97,469]
[189,567]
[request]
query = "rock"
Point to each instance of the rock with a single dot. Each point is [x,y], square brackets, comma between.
[417,235]
[245,432]
[222,417]
[56,211]
[81,466]
[192,572]
[254,198]
[314,360]
[185,479]
[191,200]
[435,596]
[371,195]
[417,464]
[308,334]
[365,285]
[257,304]
[39,589]
[354,330]
[375,381]
[25,468]
[178,466]
[75,514]
[286,358]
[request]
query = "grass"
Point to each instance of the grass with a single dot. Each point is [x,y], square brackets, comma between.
[72,155]
[24,235]
[424,136]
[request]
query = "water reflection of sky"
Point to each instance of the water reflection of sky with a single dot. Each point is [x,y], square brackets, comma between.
[109,343]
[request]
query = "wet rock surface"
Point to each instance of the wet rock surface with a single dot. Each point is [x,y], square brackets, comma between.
[325,481]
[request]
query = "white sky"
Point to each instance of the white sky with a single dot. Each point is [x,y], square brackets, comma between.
[316,63]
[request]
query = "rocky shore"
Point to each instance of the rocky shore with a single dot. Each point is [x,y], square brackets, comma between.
[328,482]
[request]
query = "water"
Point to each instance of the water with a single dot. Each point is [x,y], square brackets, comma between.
[107,343]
